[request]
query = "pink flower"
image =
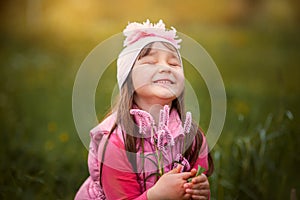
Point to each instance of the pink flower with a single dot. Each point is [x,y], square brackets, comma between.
[160,140]
[170,139]
[154,135]
[164,139]
[188,122]
[161,121]
[164,117]
[143,119]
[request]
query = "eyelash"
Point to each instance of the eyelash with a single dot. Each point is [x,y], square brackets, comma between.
[174,64]
[151,62]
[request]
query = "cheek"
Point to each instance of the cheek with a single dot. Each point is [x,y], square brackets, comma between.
[140,78]
[135,81]
[180,80]
[180,77]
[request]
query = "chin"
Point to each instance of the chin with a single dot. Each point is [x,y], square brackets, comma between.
[166,97]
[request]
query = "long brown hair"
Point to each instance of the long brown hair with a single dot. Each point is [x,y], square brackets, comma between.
[125,121]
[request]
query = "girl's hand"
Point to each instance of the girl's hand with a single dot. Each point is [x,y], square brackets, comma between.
[170,186]
[198,188]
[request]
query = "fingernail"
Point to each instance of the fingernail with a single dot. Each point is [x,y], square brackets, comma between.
[188,190]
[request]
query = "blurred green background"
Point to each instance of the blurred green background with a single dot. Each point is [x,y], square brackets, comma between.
[255,44]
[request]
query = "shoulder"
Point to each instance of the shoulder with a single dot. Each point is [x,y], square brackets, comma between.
[103,128]
[106,125]
[101,137]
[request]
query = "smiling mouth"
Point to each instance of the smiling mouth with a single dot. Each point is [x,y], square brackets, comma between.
[164,82]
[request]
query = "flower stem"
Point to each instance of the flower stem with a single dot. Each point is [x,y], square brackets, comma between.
[158,154]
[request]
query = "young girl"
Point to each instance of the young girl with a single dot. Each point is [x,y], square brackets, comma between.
[143,150]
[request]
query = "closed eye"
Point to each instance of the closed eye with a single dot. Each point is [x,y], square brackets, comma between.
[174,63]
[147,60]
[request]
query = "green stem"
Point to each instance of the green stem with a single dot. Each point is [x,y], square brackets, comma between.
[162,163]
[158,161]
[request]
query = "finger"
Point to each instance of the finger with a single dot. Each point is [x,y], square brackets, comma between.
[203,195]
[179,168]
[195,197]
[200,178]
[175,170]
[204,192]
[199,187]
[193,172]
[187,196]
[184,175]
[188,185]
[202,186]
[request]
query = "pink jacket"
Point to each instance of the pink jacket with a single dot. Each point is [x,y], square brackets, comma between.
[118,177]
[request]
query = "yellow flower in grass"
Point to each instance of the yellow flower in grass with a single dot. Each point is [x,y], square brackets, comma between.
[64,137]
[49,145]
[52,127]
[241,107]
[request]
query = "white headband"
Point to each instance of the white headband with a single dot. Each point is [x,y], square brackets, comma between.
[137,37]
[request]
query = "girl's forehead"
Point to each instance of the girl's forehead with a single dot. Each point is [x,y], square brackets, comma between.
[158,47]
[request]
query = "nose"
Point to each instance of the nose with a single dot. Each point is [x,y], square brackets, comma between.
[164,67]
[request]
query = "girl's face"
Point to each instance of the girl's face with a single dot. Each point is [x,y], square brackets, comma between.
[158,75]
